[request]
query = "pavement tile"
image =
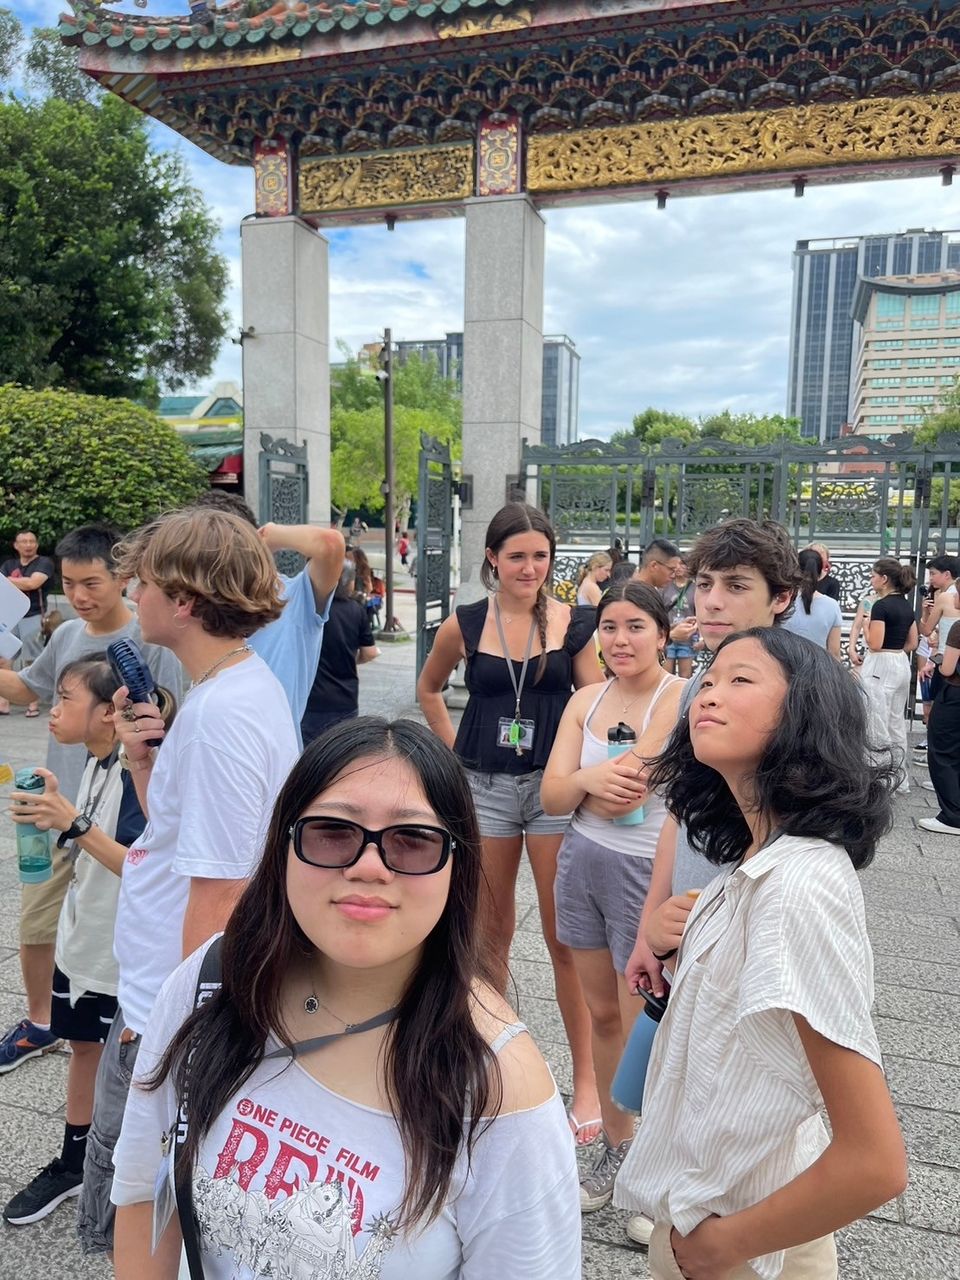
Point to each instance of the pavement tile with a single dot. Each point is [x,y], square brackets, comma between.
[920,974]
[920,1040]
[932,1198]
[942,949]
[924,1084]
[932,1137]
[876,1250]
[614,1262]
[914,1005]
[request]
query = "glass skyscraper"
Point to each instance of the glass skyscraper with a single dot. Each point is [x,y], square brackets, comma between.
[822,347]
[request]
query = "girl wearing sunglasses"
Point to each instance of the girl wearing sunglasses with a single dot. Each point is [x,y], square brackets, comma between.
[361,1101]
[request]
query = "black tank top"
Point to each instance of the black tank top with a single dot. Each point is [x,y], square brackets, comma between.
[492,697]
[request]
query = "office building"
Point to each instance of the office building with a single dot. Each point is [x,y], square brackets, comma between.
[561,378]
[823,342]
[908,349]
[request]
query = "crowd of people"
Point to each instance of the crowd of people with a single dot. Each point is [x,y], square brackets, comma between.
[277,937]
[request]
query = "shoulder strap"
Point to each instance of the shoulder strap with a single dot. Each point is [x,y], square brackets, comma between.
[471,618]
[667,682]
[509,1032]
[208,982]
[596,702]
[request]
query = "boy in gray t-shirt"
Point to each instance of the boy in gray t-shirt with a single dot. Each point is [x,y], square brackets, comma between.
[96,594]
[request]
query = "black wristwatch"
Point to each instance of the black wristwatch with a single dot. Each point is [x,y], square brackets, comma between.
[79,827]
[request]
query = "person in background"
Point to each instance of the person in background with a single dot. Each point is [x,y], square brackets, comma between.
[816,616]
[93,835]
[858,628]
[403,548]
[660,561]
[30,573]
[943,741]
[926,647]
[940,609]
[828,585]
[358,950]
[768,1025]
[678,597]
[590,582]
[885,674]
[347,642]
[94,588]
[290,646]
[524,653]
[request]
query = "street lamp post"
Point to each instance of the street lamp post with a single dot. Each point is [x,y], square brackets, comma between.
[386,359]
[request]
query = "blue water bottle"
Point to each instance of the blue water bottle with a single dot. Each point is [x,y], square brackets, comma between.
[622,738]
[34,855]
[631,1078]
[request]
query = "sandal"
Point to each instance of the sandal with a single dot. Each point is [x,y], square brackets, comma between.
[578,1128]
[32,712]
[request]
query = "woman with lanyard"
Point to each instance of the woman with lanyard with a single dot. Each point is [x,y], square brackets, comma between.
[606,859]
[678,597]
[360,1103]
[885,674]
[95,834]
[524,653]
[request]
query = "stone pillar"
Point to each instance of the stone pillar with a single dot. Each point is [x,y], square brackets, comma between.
[502,358]
[286,358]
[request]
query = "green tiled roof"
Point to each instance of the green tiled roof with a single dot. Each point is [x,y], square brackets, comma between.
[233,23]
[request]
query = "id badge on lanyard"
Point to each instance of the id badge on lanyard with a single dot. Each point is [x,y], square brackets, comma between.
[515,734]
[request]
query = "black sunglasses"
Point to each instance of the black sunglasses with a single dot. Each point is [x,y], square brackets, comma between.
[337,844]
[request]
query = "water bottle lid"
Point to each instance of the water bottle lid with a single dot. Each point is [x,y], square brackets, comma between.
[621,733]
[28,780]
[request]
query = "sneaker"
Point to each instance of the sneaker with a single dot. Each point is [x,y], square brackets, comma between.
[596,1187]
[921,745]
[50,1187]
[934,824]
[22,1042]
[639,1229]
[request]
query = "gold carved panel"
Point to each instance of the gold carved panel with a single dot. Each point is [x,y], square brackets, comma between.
[794,139]
[389,178]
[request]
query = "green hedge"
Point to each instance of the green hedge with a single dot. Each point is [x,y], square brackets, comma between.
[69,459]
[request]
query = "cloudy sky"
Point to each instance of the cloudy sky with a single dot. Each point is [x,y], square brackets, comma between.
[688,308]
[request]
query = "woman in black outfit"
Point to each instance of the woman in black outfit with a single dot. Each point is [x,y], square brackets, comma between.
[943,741]
[524,653]
[347,642]
[891,635]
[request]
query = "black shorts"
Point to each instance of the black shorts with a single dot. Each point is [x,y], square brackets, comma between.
[89,1019]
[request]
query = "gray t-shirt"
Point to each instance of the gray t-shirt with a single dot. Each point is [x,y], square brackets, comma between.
[71,641]
[691,870]
[816,625]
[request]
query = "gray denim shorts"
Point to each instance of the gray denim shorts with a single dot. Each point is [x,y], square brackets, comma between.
[599,895]
[95,1212]
[508,804]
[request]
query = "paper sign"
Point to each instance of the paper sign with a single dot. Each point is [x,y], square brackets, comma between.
[6,774]
[13,606]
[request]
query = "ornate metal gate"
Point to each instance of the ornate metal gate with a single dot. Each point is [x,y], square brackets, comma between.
[434,538]
[283,491]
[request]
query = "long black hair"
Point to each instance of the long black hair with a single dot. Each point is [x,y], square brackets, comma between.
[811,566]
[438,1068]
[514,518]
[819,775]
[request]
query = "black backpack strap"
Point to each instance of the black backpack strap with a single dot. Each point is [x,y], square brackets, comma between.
[208,983]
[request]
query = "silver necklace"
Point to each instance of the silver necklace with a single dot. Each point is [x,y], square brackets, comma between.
[625,706]
[244,648]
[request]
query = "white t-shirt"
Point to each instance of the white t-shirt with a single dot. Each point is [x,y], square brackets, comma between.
[210,798]
[732,1110]
[293,1171]
[816,625]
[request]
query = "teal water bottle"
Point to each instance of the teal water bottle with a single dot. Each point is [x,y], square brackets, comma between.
[34,856]
[622,738]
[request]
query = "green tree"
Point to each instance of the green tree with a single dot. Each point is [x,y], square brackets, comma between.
[942,418]
[423,401]
[52,69]
[11,37]
[109,279]
[749,429]
[68,459]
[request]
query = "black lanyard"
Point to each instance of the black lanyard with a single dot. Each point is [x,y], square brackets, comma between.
[517,686]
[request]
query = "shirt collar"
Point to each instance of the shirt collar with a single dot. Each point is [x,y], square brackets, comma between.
[770,857]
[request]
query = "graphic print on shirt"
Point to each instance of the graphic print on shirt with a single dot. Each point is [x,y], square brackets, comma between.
[303,1221]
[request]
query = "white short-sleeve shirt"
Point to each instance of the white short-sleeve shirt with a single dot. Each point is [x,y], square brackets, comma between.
[732,1111]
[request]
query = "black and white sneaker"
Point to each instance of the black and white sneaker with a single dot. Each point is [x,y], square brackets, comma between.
[50,1187]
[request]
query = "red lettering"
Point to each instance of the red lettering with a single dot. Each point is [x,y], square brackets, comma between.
[265,1116]
[227,1159]
[276,1178]
[300,1132]
[285,1124]
[369,1171]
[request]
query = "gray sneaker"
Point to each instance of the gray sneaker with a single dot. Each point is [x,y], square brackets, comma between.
[596,1187]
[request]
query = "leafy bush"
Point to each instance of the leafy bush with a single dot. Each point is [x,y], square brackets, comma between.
[69,459]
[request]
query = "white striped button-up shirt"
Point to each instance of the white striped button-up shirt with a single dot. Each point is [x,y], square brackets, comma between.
[732,1111]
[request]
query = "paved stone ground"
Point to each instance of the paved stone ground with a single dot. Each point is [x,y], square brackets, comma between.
[913,902]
